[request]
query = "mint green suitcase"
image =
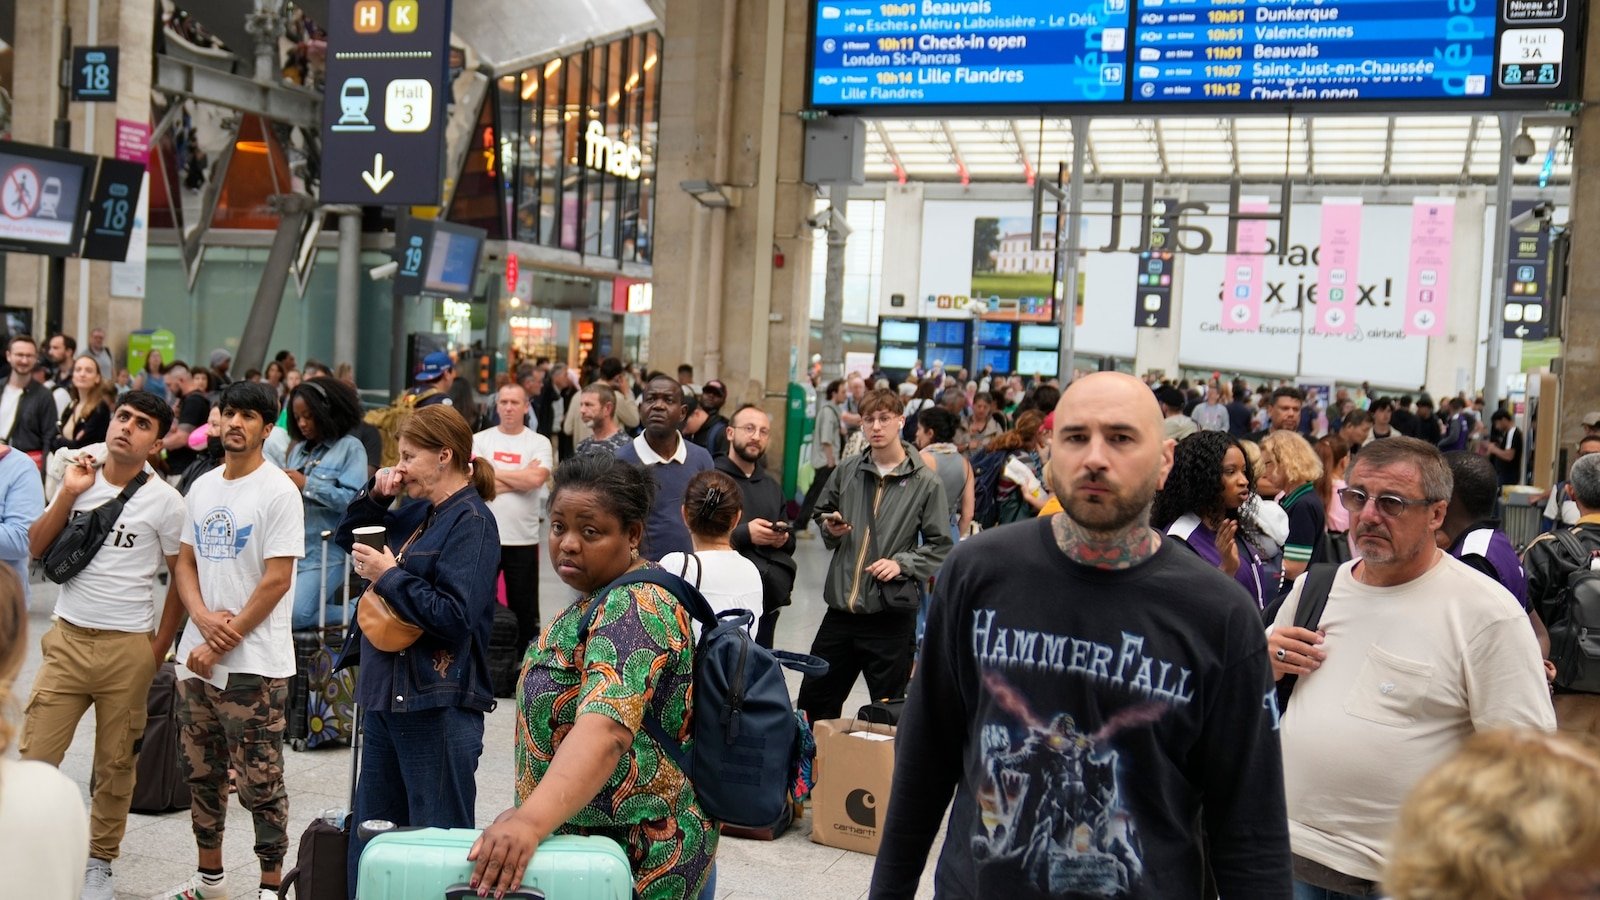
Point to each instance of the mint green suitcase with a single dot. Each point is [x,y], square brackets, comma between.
[431,864]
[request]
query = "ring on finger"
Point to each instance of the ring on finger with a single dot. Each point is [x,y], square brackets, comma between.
[1281,654]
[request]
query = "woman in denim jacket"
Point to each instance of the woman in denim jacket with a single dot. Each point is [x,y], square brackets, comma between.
[329,465]
[424,705]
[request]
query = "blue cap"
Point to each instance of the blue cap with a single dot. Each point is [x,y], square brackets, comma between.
[435,364]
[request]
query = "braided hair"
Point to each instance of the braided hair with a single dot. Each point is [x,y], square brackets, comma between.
[711,504]
[1195,483]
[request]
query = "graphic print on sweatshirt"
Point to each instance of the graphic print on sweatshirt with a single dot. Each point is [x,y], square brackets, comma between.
[218,537]
[1051,799]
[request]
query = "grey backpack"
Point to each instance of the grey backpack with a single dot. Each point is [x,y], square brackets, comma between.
[1575,633]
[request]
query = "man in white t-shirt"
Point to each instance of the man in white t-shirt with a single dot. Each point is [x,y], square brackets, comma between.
[1414,653]
[522,460]
[235,575]
[105,646]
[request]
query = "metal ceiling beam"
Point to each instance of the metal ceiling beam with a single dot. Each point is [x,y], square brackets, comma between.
[1388,152]
[955,149]
[1471,144]
[1022,149]
[1161,148]
[290,105]
[1233,146]
[888,146]
[1311,147]
[1088,146]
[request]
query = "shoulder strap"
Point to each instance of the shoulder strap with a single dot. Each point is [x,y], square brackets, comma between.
[699,568]
[133,486]
[1575,551]
[1314,595]
[688,595]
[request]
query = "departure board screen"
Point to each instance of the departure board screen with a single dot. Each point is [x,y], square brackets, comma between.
[957,52]
[1121,56]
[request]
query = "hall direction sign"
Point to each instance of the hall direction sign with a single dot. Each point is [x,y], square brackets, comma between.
[383,110]
[1136,57]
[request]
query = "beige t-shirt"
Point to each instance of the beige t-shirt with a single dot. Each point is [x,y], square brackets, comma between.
[44,831]
[1411,672]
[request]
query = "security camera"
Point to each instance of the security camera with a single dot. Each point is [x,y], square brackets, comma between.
[1522,147]
[1537,216]
[829,219]
[383,272]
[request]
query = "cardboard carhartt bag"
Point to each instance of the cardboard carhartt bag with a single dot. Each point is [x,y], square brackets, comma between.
[854,769]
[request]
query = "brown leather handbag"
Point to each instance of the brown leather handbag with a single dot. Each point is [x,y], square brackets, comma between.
[383,628]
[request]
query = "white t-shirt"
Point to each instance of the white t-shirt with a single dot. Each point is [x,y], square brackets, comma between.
[44,831]
[520,514]
[727,579]
[1561,508]
[10,399]
[1412,672]
[117,590]
[235,527]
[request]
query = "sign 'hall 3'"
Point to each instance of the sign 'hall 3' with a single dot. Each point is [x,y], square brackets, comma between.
[383,108]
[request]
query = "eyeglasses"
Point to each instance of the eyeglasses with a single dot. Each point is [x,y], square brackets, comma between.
[1389,505]
[753,430]
[880,421]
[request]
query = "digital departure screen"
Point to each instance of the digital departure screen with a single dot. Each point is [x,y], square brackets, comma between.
[1122,56]
[956,52]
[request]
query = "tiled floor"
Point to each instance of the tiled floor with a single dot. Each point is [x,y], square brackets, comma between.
[159,850]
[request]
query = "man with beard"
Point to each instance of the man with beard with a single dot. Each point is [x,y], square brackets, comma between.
[762,536]
[28,413]
[1414,652]
[1092,618]
[671,460]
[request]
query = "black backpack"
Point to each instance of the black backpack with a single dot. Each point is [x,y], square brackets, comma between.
[746,747]
[987,467]
[1575,633]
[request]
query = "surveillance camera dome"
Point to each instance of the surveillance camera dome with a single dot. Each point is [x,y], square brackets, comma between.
[1522,147]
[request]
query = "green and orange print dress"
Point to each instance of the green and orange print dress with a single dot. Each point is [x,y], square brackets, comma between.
[639,662]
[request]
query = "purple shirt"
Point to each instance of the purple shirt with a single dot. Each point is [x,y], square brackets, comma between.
[1251,574]
[1486,548]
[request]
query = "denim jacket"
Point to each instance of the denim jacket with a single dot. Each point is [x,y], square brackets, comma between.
[445,585]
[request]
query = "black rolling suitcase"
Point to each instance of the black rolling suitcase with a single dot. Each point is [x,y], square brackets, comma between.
[505,653]
[321,701]
[320,866]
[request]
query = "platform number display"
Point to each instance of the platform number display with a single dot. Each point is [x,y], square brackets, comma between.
[112,210]
[94,74]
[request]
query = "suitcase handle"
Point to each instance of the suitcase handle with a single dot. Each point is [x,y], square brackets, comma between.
[467,892]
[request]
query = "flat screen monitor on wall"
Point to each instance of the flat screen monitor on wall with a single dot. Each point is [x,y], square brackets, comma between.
[897,359]
[453,259]
[899,331]
[1038,362]
[1038,337]
[996,334]
[42,197]
[999,360]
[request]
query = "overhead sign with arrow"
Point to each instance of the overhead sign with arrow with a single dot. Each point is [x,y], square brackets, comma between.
[1527,279]
[383,110]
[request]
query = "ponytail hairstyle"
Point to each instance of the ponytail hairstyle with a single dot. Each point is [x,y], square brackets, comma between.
[711,504]
[439,427]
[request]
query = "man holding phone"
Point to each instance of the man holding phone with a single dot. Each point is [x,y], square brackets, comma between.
[763,536]
[884,515]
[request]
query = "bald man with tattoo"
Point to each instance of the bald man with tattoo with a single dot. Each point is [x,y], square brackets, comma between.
[1094,697]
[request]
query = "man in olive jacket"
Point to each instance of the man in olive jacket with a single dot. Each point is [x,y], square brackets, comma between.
[883,514]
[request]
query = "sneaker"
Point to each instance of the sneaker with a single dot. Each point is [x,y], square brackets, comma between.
[267,894]
[196,888]
[97,881]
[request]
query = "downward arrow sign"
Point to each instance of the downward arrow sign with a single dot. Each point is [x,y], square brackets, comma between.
[377,179]
[1150,320]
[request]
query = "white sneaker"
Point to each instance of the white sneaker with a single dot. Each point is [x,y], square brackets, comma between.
[267,894]
[196,888]
[97,883]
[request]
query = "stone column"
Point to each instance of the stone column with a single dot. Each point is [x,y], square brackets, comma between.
[1580,344]
[762,310]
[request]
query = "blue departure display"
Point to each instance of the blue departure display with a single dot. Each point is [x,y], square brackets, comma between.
[943,52]
[1138,53]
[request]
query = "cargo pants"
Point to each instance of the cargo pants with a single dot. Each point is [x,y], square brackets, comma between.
[241,726]
[112,671]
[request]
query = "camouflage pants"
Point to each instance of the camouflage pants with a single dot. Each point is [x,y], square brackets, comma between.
[240,726]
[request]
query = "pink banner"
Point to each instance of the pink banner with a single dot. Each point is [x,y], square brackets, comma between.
[1339,268]
[133,140]
[1243,272]
[1433,228]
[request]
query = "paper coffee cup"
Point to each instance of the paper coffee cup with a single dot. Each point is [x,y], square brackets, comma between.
[371,535]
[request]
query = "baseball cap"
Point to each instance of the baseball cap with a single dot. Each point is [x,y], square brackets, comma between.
[435,364]
[1591,419]
[220,356]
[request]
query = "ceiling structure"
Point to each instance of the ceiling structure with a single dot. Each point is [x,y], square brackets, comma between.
[1432,149]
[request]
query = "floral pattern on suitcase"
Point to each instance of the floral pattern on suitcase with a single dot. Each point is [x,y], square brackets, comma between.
[639,661]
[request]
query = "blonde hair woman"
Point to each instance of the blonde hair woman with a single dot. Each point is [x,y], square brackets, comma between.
[1289,471]
[44,831]
[1514,815]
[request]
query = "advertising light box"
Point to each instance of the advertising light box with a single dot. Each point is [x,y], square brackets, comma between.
[42,194]
[1130,57]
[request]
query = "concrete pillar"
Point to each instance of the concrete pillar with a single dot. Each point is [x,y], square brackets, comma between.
[130,25]
[347,301]
[902,249]
[1580,350]
[763,312]
[1453,358]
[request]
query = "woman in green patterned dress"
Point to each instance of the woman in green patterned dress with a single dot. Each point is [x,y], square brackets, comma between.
[585,763]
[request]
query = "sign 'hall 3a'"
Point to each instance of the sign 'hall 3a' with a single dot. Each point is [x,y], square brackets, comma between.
[383,107]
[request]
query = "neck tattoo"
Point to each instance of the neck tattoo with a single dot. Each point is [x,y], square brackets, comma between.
[1122,549]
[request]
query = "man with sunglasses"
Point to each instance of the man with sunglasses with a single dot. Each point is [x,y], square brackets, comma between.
[1414,653]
